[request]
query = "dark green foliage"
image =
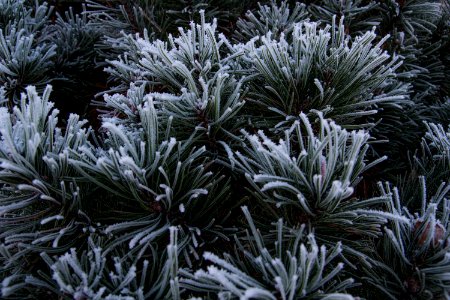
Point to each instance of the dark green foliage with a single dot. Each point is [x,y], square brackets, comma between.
[40,46]
[23,62]
[322,69]
[285,269]
[41,207]
[270,19]
[171,118]
[413,256]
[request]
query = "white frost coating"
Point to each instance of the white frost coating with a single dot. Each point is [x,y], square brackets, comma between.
[257,293]
[279,184]
[49,219]
[4,118]
[165,97]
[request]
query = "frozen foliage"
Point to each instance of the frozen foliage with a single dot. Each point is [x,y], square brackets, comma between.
[204,78]
[99,274]
[23,60]
[273,20]
[310,177]
[359,16]
[158,18]
[438,141]
[3,99]
[22,63]
[415,255]
[29,15]
[192,73]
[292,270]
[74,38]
[323,69]
[35,50]
[158,180]
[41,206]
[289,111]
[432,161]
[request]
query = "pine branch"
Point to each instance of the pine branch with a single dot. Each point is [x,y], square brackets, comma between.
[41,204]
[415,254]
[295,269]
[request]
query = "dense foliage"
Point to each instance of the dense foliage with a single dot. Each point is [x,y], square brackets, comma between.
[225,149]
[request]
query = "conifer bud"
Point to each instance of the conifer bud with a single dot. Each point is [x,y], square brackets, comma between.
[412,284]
[439,233]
